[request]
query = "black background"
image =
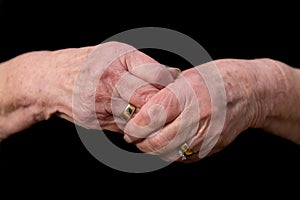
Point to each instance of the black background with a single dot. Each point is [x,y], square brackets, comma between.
[53,150]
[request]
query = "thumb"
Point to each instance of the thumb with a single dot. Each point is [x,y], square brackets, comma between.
[149,70]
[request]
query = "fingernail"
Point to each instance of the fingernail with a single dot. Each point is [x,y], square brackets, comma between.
[178,70]
[127,139]
[175,71]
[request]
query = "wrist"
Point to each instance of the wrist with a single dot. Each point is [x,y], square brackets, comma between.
[66,65]
[257,88]
[265,93]
[283,117]
[271,90]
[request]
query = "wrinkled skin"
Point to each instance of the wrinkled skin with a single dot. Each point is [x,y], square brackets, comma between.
[125,75]
[182,112]
[88,86]
[91,86]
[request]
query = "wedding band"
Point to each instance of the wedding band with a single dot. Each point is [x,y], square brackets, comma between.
[128,112]
[185,151]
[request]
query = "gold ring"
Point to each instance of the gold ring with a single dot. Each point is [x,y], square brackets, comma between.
[185,151]
[128,112]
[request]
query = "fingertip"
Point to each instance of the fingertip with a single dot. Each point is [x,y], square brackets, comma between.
[178,70]
[136,128]
[127,138]
[175,72]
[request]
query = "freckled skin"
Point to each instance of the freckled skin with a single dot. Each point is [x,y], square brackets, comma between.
[260,93]
[30,82]
[36,85]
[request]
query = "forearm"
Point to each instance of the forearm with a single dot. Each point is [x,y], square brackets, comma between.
[284,119]
[36,85]
[266,92]
[21,86]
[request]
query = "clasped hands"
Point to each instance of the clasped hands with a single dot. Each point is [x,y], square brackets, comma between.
[173,110]
[179,116]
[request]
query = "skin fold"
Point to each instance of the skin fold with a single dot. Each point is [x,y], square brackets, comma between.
[206,106]
[81,85]
[260,93]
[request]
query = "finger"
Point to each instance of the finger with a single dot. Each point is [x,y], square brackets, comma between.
[168,138]
[157,74]
[174,71]
[120,124]
[158,141]
[148,69]
[159,110]
[134,90]
[157,118]
[113,124]
[118,108]
[166,142]
[118,105]
[176,154]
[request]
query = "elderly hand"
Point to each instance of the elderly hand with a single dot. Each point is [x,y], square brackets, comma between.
[207,107]
[90,86]
[114,75]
